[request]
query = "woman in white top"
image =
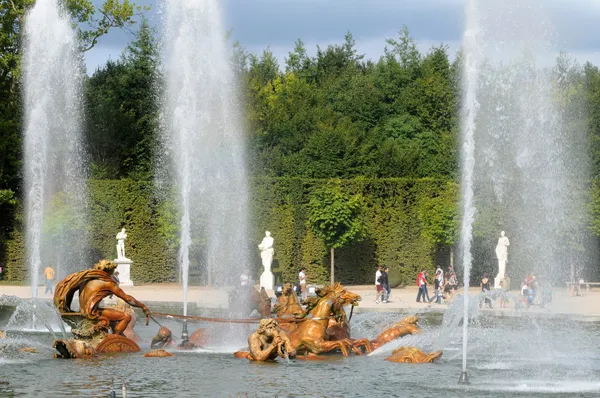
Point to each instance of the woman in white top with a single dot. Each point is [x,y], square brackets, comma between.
[302,278]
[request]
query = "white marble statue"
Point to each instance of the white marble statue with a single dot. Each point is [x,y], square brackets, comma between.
[267,279]
[267,251]
[502,256]
[121,236]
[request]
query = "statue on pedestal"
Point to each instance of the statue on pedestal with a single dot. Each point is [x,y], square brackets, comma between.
[121,236]
[502,256]
[267,278]
[267,251]
[123,263]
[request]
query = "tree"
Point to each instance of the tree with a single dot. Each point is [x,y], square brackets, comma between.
[123,111]
[336,218]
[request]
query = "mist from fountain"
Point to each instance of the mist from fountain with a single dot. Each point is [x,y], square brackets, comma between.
[525,168]
[54,168]
[203,131]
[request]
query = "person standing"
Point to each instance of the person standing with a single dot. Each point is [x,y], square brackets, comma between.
[452,282]
[49,272]
[383,280]
[422,283]
[378,286]
[438,282]
[386,287]
[485,288]
[302,279]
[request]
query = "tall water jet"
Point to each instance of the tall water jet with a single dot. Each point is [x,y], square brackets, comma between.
[469,113]
[202,127]
[53,161]
[525,165]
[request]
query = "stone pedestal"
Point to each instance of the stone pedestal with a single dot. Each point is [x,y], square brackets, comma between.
[267,280]
[124,268]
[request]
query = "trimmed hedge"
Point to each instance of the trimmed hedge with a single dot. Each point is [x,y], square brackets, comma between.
[395,229]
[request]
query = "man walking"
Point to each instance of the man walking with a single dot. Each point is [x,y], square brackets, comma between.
[422,283]
[49,272]
[378,286]
[385,292]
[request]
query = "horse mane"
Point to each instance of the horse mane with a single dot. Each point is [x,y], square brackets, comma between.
[322,293]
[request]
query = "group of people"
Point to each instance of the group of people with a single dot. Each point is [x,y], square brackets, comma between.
[531,289]
[382,285]
[445,286]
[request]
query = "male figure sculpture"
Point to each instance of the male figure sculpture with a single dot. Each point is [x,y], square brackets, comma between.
[121,236]
[93,286]
[267,343]
[267,251]
[502,256]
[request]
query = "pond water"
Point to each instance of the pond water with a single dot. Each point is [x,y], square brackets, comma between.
[519,358]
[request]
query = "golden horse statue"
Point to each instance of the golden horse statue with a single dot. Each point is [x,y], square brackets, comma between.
[310,336]
[290,313]
[406,326]
[92,325]
[413,355]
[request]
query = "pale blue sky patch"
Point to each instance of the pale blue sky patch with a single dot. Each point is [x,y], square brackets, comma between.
[276,24]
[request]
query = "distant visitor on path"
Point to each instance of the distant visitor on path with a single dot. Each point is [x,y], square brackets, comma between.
[422,283]
[383,279]
[504,285]
[121,236]
[116,277]
[378,287]
[49,272]
[244,279]
[485,288]
[452,283]
[438,283]
[302,281]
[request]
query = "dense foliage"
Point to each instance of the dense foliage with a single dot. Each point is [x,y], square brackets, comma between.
[386,130]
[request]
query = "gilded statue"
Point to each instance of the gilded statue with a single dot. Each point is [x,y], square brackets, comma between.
[413,355]
[96,329]
[268,343]
[406,326]
[310,336]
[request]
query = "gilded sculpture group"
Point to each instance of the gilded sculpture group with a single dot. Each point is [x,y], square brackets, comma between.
[306,333]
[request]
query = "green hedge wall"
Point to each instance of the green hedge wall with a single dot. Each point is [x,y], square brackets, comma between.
[395,229]
[394,223]
[116,204]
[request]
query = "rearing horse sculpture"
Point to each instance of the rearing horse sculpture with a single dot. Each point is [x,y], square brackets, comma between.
[311,334]
[288,307]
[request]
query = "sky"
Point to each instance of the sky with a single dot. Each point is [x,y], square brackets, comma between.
[276,24]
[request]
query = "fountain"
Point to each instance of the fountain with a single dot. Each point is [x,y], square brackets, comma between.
[522,162]
[203,132]
[53,166]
